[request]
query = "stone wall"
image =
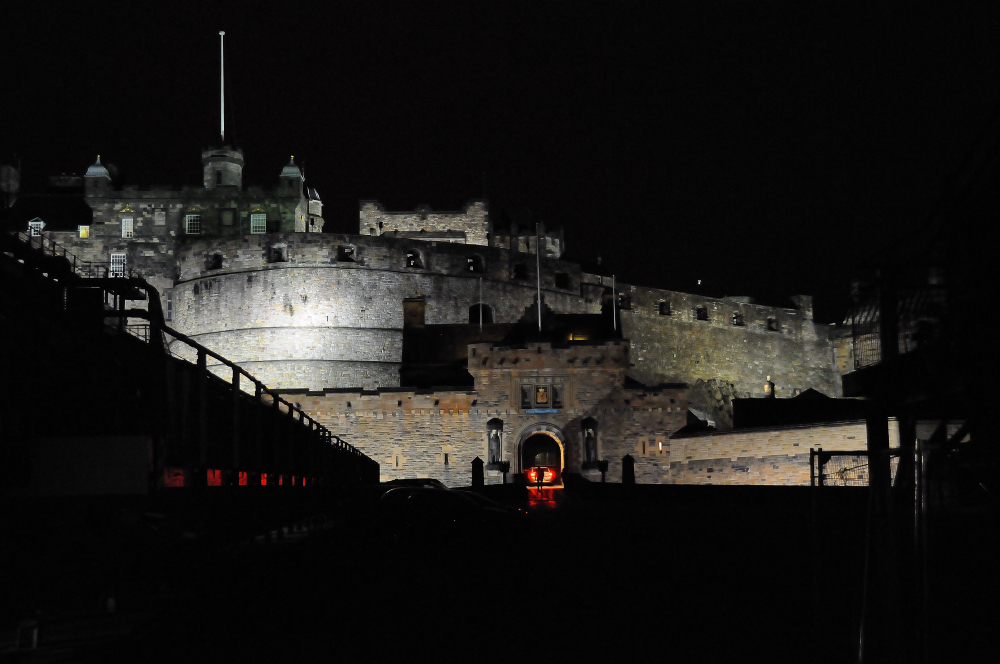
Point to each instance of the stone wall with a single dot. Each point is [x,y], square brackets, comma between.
[409,433]
[773,456]
[472,222]
[671,344]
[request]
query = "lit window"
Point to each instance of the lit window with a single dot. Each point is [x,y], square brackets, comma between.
[35,228]
[117,265]
[192,224]
[127,227]
[258,223]
[84,231]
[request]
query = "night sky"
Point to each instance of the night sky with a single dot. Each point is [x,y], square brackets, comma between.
[765,148]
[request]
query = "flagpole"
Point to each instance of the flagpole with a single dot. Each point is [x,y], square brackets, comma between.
[222,85]
[538,275]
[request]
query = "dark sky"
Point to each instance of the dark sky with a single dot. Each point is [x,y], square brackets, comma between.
[766,148]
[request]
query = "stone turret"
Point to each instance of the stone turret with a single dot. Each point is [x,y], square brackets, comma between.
[223,167]
[97,180]
[291,179]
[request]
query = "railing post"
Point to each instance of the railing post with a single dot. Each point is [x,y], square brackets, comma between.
[236,421]
[202,379]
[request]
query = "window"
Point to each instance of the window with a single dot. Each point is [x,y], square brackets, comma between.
[521,271]
[413,259]
[218,177]
[192,224]
[773,325]
[35,228]
[562,280]
[701,313]
[557,397]
[526,396]
[117,265]
[738,319]
[159,218]
[168,312]
[475,263]
[84,231]
[258,224]
[624,302]
[127,228]
[664,308]
[345,253]
[214,262]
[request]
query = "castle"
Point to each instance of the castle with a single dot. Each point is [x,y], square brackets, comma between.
[361,329]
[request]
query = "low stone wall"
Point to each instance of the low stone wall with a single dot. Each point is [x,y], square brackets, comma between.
[773,456]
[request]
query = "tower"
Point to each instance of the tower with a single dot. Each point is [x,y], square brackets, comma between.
[223,167]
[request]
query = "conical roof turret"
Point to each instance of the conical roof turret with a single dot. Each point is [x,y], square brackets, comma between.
[97,170]
[291,170]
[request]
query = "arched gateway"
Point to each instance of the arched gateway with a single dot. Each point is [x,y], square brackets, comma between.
[541,451]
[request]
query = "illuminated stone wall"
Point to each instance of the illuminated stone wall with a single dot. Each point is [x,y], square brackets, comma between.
[675,346]
[472,222]
[773,456]
[409,432]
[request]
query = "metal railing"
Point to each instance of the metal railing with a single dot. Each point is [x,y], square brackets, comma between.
[155,333]
[917,323]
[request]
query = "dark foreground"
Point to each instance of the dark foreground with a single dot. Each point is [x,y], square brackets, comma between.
[688,575]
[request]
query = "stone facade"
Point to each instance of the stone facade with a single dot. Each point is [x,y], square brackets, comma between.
[439,433]
[323,314]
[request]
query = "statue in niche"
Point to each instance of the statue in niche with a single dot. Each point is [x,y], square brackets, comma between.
[589,427]
[495,440]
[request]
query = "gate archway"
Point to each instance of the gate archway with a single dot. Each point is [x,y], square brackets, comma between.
[541,447]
